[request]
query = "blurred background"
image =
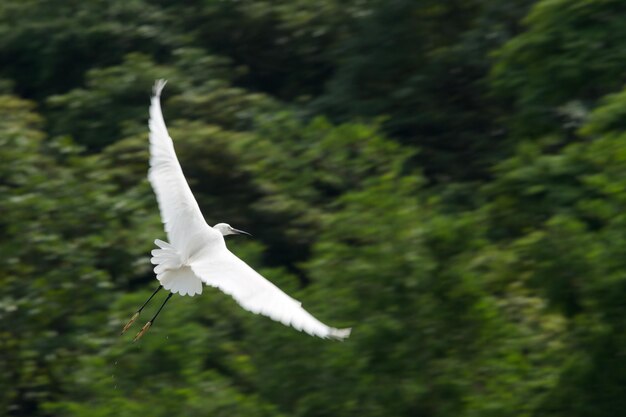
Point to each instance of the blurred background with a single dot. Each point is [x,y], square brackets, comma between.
[447,177]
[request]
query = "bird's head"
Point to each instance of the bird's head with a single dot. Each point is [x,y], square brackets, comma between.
[226,229]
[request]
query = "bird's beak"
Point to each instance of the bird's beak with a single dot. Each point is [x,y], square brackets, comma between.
[240,232]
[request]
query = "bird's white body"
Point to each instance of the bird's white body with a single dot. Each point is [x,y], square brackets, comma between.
[197,254]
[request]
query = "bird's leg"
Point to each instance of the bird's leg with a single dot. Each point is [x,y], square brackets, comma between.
[146,327]
[136,315]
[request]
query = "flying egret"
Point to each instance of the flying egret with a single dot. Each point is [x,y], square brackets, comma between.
[197,253]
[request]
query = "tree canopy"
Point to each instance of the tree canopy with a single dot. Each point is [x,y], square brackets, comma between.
[446,177]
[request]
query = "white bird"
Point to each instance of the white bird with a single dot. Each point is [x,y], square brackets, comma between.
[197,253]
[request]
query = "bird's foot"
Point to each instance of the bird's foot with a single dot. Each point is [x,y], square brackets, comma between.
[130,322]
[143,330]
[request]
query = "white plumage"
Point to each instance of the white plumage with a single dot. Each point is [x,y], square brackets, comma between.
[197,253]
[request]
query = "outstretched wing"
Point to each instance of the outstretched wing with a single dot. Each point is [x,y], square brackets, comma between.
[179,210]
[254,293]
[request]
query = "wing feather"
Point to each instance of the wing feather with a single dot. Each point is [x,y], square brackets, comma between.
[256,294]
[179,210]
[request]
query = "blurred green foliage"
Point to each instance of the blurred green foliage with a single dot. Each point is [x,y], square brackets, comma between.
[449,178]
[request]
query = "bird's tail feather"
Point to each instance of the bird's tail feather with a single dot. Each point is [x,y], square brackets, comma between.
[165,258]
[171,273]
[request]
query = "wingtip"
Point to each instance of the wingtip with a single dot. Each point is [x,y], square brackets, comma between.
[339,334]
[158,87]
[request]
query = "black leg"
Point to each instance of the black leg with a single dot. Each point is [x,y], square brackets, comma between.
[136,315]
[161,308]
[150,298]
[146,327]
